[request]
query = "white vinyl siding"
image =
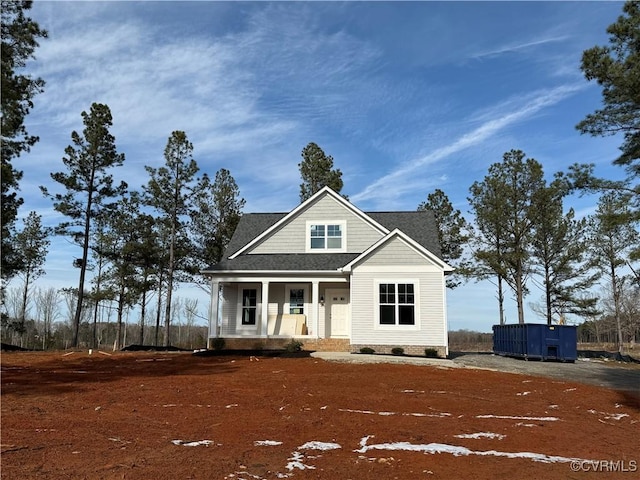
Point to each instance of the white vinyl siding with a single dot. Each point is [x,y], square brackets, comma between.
[229,310]
[396,252]
[292,237]
[397,262]
[276,298]
[430,327]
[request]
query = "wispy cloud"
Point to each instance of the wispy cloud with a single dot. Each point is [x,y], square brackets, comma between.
[532,104]
[249,97]
[517,47]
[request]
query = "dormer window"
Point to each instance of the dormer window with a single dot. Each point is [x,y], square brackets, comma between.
[326,236]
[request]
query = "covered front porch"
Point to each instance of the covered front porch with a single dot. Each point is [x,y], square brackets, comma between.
[278,308]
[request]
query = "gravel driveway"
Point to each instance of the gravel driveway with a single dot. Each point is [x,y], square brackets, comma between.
[610,374]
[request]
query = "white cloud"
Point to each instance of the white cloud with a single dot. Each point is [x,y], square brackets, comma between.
[498,120]
[517,47]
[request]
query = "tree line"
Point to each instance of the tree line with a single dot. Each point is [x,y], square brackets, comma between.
[139,244]
[135,243]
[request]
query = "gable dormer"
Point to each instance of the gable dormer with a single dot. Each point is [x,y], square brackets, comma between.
[325,223]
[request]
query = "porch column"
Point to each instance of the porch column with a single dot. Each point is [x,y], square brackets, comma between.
[214,308]
[315,307]
[264,312]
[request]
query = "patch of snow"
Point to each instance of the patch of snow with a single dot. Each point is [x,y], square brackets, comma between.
[348,410]
[520,424]
[386,414]
[610,416]
[199,443]
[523,393]
[510,417]
[231,405]
[570,389]
[481,435]
[460,451]
[319,446]
[296,462]
[297,459]
[553,406]
[169,405]
[615,416]
[266,443]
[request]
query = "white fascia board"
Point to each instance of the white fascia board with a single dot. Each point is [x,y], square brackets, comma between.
[409,241]
[324,191]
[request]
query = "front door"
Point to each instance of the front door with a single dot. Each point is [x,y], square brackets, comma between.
[338,312]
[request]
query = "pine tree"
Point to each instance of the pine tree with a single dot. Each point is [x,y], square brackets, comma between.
[316,170]
[503,204]
[20,36]
[171,190]
[558,245]
[453,231]
[31,245]
[616,67]
[89,188]
[217,211]
[612,232]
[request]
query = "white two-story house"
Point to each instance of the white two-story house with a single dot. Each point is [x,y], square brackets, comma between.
[332,277]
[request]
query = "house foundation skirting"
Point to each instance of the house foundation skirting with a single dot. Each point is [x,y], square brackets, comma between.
[311,344]
[417,350]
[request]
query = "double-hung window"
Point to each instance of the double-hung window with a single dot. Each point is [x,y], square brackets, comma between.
[326,236]
[296,300]
[397,303]
[249,306]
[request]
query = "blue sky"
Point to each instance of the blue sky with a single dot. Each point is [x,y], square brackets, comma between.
[407,97]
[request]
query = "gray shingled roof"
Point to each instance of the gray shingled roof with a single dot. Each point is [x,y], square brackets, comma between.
[420,226]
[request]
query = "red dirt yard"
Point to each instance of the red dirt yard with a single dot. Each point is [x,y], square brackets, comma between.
[176,415]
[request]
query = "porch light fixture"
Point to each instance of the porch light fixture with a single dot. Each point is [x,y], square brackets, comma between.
[321,299]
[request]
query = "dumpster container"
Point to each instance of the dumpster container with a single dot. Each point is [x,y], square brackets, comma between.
[536,341]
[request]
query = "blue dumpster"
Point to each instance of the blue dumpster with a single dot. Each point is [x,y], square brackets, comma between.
[537,341]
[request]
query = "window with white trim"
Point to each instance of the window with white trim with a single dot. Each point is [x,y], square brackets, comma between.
[328,236]
[249,306]
[296,300]
[396,303]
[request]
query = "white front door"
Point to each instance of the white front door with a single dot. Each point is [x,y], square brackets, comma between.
[338,312]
